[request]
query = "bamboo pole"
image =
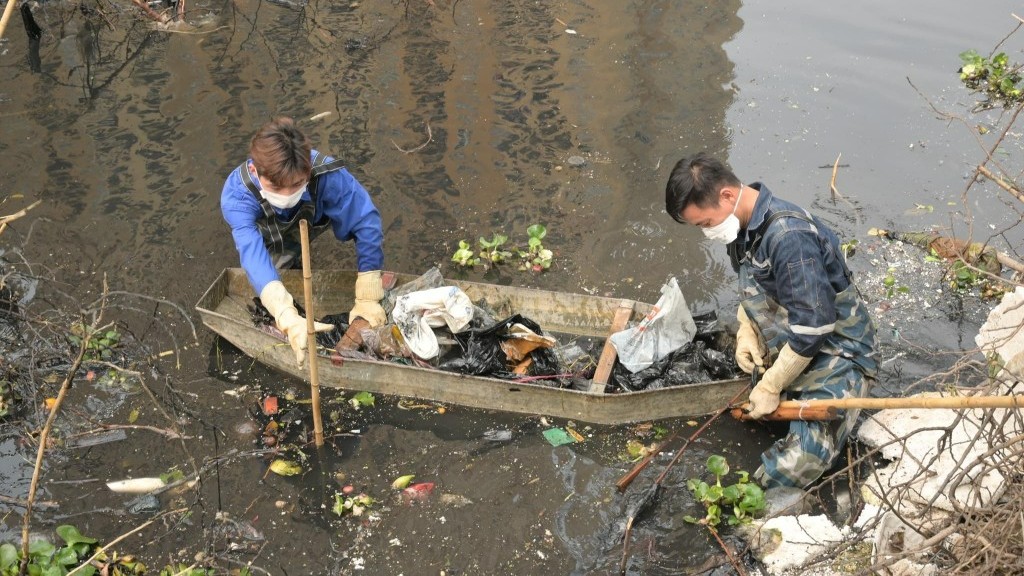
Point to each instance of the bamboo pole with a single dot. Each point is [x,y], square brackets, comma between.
[8,10]
[823,409]
[314,377]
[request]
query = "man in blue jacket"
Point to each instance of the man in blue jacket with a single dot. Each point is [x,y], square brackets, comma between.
[283,182]
[800,312]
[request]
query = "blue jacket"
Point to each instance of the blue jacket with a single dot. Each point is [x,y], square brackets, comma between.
[798,264]
[341,200]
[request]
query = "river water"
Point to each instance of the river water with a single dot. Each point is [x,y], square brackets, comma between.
[465,119]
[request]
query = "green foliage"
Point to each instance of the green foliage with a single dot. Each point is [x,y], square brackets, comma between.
[739,502]
[889,282]
[361,399]
[535,257]
[354,505]
[492,252]
[995,76]
[101,343]
[962,277]
[6,397]
[45,559]
[465,256]
[849,248]
[173,475]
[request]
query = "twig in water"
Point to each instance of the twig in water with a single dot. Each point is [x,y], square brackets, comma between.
[647,498]
[104,427]
[626,480]
[732,559]
[1001,183]
[832,185]
[430,138]
[45,433]
[107,546]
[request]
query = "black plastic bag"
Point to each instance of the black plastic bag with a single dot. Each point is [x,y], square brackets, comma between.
[261,317]
[707,358]
[481,353]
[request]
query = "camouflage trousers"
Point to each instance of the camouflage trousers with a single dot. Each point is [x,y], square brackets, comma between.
[810,448]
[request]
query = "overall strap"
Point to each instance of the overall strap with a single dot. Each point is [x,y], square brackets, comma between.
[735,254]
[250,184]
[321,165]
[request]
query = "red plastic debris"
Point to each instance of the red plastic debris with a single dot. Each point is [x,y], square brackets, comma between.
[270,405]
[418,492]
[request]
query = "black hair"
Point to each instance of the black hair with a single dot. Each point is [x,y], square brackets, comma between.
[696,180]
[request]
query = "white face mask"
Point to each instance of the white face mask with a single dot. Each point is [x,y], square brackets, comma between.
[283,202]
[728,229]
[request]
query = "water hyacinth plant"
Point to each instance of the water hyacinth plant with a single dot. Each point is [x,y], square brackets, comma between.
[739,502]
[534,257]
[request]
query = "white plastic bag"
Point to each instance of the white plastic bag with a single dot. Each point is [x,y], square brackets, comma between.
[417,312]
[666,328]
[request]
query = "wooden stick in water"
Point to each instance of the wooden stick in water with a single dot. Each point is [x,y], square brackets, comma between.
[825,409]
[314,378]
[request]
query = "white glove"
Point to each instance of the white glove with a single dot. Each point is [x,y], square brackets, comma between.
[764,398]
[369,292]
[281,306]
[750,351]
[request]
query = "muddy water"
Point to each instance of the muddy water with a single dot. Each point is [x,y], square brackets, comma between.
[461,119]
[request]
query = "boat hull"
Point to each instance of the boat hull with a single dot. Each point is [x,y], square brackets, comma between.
[223,310]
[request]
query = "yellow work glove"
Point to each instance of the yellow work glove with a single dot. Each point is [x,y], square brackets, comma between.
[369,292]
[281,306]
[764,398]
[750,351]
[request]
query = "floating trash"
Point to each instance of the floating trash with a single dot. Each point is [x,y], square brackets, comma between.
[558,436]
[498,435]
[145,504]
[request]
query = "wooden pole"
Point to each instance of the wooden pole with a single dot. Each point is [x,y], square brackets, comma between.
[826,409]
[314,378]
[8,10]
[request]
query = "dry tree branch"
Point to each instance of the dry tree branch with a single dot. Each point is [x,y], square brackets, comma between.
[108,545]
[1001,183]
[19,213]
[44,435]
[153,15]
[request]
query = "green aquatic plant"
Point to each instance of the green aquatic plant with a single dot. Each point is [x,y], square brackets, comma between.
[536,257]
[996,76]
[354,505]
[46,559]
[490,250]
[465,256]
[6,397]
[101,343]
[889,282]
[739,502]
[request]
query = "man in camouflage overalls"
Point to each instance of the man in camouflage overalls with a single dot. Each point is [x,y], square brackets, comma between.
[799,311]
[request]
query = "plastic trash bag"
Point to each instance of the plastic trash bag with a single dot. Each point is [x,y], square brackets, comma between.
[694,362]
[483,354]
[430,279]
[417,313]
[666,328]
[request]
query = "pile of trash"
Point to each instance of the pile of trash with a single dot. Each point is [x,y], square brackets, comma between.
[435,325]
